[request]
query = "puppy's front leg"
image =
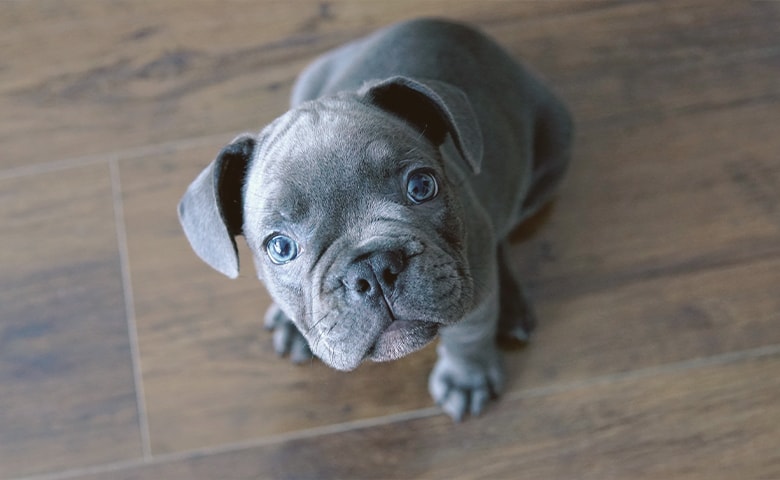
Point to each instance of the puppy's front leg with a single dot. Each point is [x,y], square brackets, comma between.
[470,370]
[287,339]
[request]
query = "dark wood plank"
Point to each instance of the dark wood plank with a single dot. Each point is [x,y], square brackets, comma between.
[687,193]
[613,68]
[67,396]
[652,322]
[715,422]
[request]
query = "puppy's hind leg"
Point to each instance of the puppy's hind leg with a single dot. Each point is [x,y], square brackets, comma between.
[517,318]
[553,132]
[553,135]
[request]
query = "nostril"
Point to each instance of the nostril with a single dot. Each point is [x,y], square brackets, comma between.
[389,276]
[362,285]
[360,280]
[388,265]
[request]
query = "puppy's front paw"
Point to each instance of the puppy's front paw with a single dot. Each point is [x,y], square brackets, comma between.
[460,385]
[287,339]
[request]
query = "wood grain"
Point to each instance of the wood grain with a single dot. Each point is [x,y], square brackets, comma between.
[691,192]
[67,397]
[655,273]
[675,160]
[685,424]
[134,73]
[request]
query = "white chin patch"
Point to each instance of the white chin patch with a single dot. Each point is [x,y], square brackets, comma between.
[401,338]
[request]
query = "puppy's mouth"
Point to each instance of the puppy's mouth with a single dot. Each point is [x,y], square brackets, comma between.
[401,338]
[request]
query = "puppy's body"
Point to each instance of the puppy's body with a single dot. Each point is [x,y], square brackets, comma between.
[378,206]
[511,106]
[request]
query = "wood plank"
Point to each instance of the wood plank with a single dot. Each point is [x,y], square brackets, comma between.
[67,397]
[714,422]
[690,192]
[612,68]
[653,322]
[132,74]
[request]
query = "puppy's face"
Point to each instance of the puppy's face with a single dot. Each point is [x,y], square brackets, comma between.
[356,231]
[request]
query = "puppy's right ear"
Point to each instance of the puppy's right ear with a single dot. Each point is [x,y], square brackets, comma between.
[211,211]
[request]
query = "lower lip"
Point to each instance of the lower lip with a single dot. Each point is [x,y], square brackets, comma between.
[420,334]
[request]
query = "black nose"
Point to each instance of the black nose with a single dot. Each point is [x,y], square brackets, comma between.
[375,274]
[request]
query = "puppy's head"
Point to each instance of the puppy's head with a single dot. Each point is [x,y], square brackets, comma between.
[354,224]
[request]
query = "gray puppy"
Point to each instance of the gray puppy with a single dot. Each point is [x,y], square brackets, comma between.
[378,207]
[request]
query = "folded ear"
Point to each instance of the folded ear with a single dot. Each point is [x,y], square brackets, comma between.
[435,108]
[211,211]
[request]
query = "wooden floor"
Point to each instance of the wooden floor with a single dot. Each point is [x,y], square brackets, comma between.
[656,273]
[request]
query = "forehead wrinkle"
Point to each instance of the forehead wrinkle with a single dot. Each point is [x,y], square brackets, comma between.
[382,157]
[286,203]
[282,127]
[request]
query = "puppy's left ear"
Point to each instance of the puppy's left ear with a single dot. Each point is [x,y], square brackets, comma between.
[435,108]
[211,211]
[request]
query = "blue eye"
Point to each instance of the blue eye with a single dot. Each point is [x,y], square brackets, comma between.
[421,186]
[281,249]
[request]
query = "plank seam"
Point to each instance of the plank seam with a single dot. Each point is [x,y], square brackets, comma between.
[671,368]
[127,154]
[127,288]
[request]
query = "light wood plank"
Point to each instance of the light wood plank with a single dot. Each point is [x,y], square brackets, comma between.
[67,397]
[716,422]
